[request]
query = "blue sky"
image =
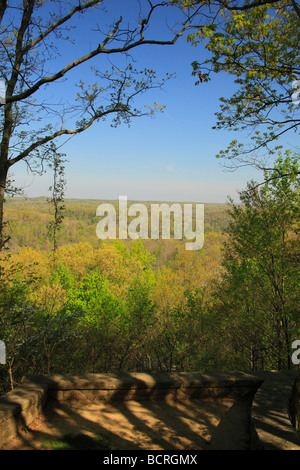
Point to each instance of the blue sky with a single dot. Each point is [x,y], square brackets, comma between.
[170,157]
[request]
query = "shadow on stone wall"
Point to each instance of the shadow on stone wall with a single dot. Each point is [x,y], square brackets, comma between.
[207,411]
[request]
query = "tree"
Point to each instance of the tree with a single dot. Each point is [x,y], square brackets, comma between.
[260,287]
[33,34]
[56,201]
[17,318]
[100,315]
[257,42]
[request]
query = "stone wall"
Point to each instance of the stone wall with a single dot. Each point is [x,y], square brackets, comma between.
[273,410]
[21,406]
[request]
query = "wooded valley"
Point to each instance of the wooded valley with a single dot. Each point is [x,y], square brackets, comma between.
[90,305]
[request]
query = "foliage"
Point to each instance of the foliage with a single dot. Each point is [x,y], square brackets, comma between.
[137,306]
[260,286]
[17,316]
[257,43]
[109,308]
[28,219]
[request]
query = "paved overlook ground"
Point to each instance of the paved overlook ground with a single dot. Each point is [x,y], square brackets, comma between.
[124,426]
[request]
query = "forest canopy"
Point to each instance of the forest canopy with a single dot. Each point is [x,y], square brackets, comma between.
[150,305]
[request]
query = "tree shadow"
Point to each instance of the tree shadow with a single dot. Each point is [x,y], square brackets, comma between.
[272,408]
[136,417]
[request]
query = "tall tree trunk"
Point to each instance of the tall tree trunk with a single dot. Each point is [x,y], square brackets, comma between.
[8,125]
[3,181]
[3,6]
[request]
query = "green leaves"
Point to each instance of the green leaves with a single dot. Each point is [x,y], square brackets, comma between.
[94,301]
[260,48]
[261,259]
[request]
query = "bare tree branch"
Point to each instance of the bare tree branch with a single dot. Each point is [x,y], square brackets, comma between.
[60,22]
[99,50]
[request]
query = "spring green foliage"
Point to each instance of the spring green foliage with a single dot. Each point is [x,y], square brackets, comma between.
[261,282]
[28,218]
[103,306]
[137,306]
[259,47]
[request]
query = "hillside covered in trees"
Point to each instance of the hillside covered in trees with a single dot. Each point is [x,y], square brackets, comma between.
[27,220]
[93,305]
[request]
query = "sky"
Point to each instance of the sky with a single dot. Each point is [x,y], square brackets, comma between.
[170,157]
